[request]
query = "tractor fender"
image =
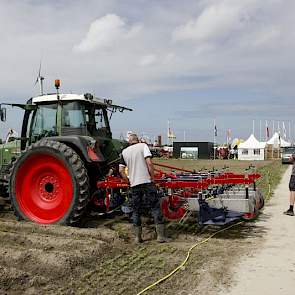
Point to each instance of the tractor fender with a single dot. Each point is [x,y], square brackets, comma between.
[81,145]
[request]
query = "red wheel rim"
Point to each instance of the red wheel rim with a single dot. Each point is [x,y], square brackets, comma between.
[44,188]
[171,208]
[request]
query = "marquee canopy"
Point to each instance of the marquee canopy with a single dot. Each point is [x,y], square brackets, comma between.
[252,143]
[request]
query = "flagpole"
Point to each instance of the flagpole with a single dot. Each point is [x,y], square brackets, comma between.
[214,141]
[273,132]
[253,128]
[290,131]
[279,139]
[259,130]
[228,136]
[168,130]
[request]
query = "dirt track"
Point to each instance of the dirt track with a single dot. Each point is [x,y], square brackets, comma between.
[101,258]
[271,269]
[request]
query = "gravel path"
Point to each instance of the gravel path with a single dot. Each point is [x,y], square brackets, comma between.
[271,270]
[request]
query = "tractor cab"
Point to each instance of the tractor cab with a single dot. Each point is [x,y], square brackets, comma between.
[68,114]
[80,121]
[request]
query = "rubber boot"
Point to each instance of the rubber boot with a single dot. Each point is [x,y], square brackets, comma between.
[161,238]
[137,234]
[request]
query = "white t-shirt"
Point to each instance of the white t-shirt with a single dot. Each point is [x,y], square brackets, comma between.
[134,158]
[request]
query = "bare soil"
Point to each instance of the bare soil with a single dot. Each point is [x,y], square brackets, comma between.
[101,258]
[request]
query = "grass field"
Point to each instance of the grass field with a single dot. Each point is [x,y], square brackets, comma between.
[234,165]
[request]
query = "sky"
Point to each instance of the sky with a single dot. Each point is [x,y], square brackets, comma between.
[189,62]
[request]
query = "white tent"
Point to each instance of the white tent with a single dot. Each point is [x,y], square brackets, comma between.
[277,142]
[251,149]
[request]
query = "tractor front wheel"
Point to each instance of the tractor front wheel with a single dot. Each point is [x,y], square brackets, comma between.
[49,184]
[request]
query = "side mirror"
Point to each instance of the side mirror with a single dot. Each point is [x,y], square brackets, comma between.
[3,114]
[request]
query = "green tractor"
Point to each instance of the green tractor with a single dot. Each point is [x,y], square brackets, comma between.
[66,146]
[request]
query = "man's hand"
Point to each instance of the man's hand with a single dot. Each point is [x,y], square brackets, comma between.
[123,173]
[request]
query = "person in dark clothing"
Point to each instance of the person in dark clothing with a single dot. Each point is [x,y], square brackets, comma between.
[137,158]
[290,211]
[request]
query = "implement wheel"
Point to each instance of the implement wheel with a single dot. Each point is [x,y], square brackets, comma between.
[172,208]
[49,184]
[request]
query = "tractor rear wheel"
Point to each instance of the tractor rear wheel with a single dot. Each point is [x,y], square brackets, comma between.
[49,184]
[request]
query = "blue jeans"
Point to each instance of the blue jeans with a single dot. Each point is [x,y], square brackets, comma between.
[145,197]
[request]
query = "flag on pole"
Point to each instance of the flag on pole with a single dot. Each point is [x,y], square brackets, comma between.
[266,130]
[284,131]
[170,134]
[228,135]
[214,140]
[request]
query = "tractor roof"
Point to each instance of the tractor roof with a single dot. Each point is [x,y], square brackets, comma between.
[69,97]
[87,97]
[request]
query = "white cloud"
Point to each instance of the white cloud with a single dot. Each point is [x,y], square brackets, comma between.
[218,46]
[240,40]
[168,58]
[147,60]
[262,38]
[217,21]
[104,32]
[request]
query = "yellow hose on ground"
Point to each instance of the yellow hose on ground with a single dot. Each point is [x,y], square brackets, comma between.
[186,259]
[191,248]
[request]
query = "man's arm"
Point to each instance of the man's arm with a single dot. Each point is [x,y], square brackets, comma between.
[150,167]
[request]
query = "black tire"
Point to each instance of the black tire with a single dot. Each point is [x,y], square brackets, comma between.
[3,190]
[71,163]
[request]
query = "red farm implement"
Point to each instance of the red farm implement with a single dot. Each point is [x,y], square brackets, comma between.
[217,196]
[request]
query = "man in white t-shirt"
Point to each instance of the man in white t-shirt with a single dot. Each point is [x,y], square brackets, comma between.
[137,158]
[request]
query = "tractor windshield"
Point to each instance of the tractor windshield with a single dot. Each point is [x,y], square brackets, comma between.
[73,119]
[44,121]
[84,119]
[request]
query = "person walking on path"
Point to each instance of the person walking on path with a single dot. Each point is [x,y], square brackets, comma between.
[137,158]
[290,211]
